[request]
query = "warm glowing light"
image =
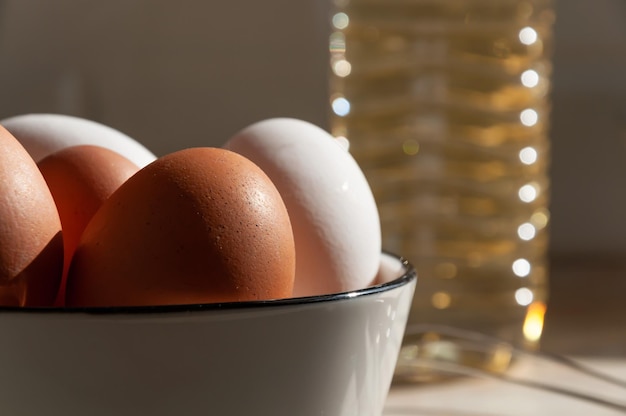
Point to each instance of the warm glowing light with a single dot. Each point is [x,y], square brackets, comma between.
[342,68]
[410,147]
[528,192]
[526,231]
[524,296]
[533,323]
[528,35]
[530,78]
[341,106]
[441,300]
[340,21]
[529,117]
[528,155]
[540,218]
[521,267]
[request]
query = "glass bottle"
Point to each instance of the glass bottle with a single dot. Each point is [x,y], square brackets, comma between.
[446,107]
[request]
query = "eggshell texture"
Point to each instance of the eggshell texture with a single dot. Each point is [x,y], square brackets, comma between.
[333,212]
[80,179]
[42,134]
[199,225]
[31,245]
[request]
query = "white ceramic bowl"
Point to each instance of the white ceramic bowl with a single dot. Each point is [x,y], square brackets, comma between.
[323,355]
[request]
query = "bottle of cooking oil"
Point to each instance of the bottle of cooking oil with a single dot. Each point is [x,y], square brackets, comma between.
[446,107]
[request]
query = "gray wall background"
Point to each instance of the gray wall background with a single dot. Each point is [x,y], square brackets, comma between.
[191,73]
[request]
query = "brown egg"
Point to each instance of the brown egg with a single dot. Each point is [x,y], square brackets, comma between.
[81,178]
[31,245]
[199,225]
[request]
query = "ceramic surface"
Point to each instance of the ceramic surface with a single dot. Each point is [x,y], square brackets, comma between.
[327,355]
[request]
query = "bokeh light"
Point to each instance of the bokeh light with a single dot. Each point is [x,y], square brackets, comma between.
[529,117]
[526,231]
[528,155]
[340,20]
[341,106]
[528,192]
[524,296]
[528,35]
[441,300]
[530,78]
[521,267]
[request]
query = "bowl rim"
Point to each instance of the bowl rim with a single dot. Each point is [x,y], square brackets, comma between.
[409,274]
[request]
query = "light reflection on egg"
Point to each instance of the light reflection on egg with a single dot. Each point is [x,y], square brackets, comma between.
[333,212]
[199,225]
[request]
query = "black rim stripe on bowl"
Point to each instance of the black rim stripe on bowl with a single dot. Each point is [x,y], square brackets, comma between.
[408,275]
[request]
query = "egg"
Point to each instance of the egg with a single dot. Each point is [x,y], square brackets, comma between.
[199,225]
[331,206]
[31,244]
[80,179]
[42,134]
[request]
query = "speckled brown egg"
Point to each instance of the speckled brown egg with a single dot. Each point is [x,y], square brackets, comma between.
[199,225]
[31,244]
[80,179]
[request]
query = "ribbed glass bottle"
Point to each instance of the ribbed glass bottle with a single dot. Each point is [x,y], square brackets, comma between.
[446,106]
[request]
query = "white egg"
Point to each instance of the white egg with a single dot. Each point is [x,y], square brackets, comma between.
[331,207]
[42,134]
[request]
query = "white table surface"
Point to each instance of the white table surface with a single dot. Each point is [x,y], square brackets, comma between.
[586,321]
[472,396]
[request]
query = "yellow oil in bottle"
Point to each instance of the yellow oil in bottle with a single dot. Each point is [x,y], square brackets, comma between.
[446,107]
